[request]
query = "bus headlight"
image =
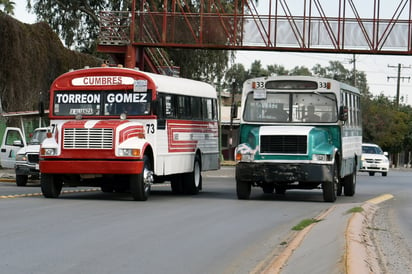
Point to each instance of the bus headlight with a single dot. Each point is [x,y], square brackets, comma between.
[322,157]
[129,152]
[244,157]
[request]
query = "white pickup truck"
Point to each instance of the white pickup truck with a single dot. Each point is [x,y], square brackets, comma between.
[23,157]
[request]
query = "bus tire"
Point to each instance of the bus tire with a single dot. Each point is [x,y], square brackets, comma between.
[350,184]
[329,188]
[140,184]
[51,185]
[371,173]
[21,180]
[243,189]
[192,181]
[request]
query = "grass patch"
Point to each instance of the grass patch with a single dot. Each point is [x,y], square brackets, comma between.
[305,223]
[355,209]
[376,228]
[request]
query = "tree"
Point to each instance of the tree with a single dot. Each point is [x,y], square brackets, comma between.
[237,73]
[256,70]
[300,71]
[277,69]
[8,6]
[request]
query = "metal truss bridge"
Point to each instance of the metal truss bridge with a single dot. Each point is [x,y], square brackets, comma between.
[333,26]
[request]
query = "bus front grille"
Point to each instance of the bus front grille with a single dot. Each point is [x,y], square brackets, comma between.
[88,138]
[285,144]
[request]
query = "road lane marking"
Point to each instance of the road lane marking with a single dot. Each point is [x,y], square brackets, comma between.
[40,194]
[380,199]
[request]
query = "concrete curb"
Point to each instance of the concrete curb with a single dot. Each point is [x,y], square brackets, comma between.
[360,257]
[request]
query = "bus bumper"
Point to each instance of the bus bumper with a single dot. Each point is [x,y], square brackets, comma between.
[91,167]
[281,172]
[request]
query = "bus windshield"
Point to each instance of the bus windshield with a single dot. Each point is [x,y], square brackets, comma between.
[297,107]
[101,103]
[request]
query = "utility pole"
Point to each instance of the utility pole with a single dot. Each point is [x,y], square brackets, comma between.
[398,84]
[353,61]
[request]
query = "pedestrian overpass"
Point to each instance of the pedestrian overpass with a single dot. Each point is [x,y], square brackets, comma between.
[137,38]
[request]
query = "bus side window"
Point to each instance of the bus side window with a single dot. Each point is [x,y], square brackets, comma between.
[183,107]
[207,109]
[196,106]
[169,107]
[215,112]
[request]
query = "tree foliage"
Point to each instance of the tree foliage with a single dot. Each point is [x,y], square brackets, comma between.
[77,23]
[32,57]
[7,6]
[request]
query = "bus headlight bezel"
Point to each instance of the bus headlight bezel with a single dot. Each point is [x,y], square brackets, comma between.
[129,152]
[322,157]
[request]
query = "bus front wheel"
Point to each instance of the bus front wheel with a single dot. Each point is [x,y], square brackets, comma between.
[140,183]
[243,189]
[51,185]
[329,188]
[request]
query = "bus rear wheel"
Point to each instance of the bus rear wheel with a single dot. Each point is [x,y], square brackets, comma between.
[51,185]
[140,184]
[192,181]
[350,184]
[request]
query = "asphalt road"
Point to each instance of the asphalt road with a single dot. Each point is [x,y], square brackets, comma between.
[213,232]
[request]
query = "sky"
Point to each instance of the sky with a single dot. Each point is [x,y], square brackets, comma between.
[376,67]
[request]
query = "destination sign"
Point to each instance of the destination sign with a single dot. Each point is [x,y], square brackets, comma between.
[95,98]
[102,81]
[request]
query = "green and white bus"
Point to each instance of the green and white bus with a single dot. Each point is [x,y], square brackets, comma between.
[298,132]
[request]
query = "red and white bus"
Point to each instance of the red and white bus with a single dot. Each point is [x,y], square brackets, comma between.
[123,130]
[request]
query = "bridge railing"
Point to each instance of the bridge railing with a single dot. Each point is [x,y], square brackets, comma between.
[258,32]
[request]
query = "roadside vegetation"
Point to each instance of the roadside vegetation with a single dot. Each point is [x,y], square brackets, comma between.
[305,223]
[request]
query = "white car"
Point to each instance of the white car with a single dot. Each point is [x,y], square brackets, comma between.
[374,160]
[27,158]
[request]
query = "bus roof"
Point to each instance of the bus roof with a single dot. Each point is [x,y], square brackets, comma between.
[300,78]
[163,83]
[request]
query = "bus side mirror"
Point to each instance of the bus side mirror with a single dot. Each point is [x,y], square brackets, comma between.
[233,111]
[343,113]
